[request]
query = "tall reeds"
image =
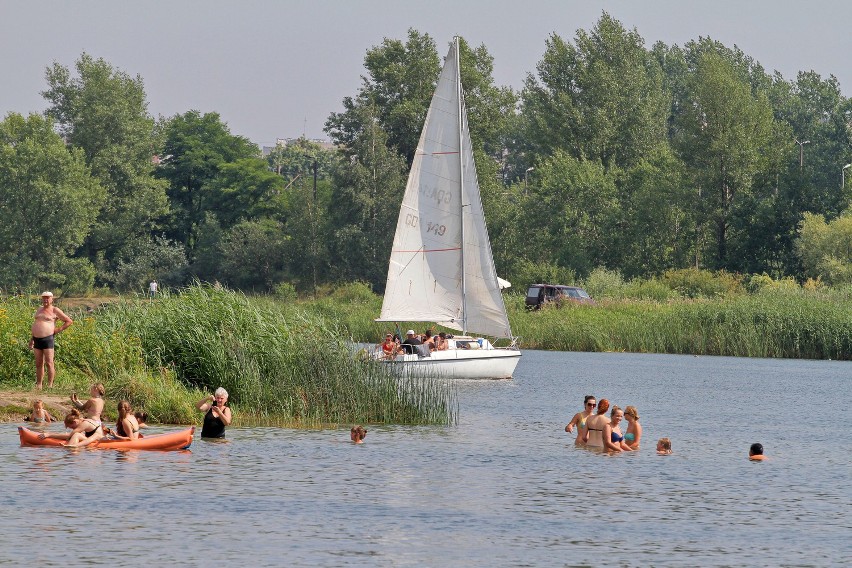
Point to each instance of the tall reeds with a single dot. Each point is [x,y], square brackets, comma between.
[279,362]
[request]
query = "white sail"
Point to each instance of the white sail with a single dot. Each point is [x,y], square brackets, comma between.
[426,277]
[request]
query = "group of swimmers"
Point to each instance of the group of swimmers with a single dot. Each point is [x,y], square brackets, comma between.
[86,423]
[595,430]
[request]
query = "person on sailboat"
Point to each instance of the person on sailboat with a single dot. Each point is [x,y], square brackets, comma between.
[389,347]
[429,340]
[441,342]
[411,340]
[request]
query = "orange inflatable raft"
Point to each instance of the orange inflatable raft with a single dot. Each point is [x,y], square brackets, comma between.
[180,440]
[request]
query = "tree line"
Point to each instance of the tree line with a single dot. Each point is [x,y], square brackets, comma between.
[614,155]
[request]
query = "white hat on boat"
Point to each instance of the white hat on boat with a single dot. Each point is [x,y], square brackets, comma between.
[410,332]
[47,294]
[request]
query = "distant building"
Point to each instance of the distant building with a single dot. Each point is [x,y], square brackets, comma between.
[284,142]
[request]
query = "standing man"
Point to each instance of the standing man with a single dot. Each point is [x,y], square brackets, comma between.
[43,333]
[152,289]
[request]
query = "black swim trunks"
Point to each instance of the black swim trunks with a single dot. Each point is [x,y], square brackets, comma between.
[43,342]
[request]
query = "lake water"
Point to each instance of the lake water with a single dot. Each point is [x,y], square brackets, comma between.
[505,487]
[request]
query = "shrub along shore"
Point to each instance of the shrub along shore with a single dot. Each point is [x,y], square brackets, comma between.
[281,364]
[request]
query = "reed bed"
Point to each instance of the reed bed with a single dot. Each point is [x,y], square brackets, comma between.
[794,325]
[279,362]
[788,322]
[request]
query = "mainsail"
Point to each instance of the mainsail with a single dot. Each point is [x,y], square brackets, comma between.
[433,275]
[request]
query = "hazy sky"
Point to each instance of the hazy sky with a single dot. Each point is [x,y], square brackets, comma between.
[277,68]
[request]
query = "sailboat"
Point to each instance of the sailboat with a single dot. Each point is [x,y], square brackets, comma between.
[441,268]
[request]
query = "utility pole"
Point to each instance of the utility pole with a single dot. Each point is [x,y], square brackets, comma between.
[801,151]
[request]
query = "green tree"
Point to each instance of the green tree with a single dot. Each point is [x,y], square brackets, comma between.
[149,258]
[366,197]
[723,134]
[253,255]
[401,78]
[196,147]
[243,190]
[103,111]
[48,202]
[601,99]
[570,214]
[826,248]
[656,228]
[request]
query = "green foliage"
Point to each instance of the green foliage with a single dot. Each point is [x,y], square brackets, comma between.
[48,202]
[253,255]
[285,292]
[148,259]
[277,361]
[694,283]
[196,148]
[103,112]
[826,248]
[364,208]
[603,283]
[527,272]
[400,81]
[601,98]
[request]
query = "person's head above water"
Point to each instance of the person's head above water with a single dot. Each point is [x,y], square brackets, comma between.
[603,406]
[756,450]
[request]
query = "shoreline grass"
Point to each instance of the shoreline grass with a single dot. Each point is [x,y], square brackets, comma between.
[279,362]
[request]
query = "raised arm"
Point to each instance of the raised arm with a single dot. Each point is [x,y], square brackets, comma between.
[204,404]
[223,414]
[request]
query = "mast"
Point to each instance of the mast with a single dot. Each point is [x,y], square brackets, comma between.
[461,184]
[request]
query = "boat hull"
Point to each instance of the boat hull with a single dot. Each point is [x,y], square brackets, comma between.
[179,440]
[459,364]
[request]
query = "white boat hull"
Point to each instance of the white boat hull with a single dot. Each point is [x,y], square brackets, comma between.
[459,364]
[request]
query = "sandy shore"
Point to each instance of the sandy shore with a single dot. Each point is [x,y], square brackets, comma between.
[15,405]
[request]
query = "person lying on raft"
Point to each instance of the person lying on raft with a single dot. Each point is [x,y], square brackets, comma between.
[84,431]
[94,407]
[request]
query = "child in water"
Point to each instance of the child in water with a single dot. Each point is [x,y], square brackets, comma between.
[755,452]
[664,447]
[357,434]
[38,413]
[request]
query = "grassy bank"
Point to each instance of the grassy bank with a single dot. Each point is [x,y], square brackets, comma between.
[280,363]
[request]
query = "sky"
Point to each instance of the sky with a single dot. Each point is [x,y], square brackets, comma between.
[277,68]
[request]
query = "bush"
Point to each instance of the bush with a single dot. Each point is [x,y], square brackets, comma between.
[528,272]
[603,283]
[285,292]
[696,283]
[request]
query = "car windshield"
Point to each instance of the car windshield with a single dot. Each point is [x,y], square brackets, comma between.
[533,291]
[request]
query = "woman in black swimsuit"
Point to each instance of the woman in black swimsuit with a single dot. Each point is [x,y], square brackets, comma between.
[217,414]
[84,430]
[126,427]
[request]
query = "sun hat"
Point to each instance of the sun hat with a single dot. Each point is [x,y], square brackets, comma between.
[410,332]
[48,294]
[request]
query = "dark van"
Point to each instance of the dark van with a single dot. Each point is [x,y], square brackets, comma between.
[541,294]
